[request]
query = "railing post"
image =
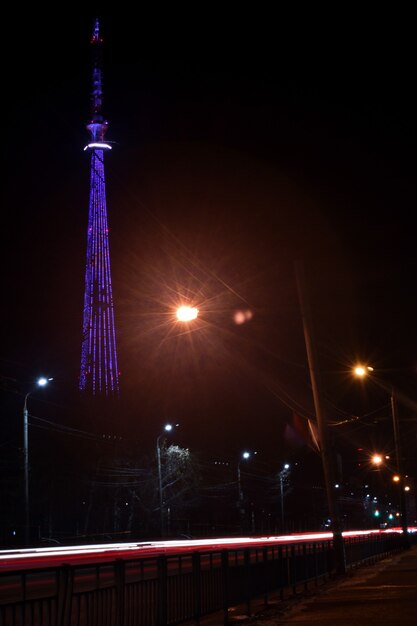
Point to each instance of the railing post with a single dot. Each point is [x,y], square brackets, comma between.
[119,575]
[293,570]
[225,580]
[197,586]
[316,582]
[64,595]
[247,580]
[283,572]
[305,567]
[330,561]
[265,570]
[162,611]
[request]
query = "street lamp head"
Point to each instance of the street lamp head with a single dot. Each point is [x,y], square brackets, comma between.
[286,466]
[377,459]
[245,455]
[168,427]
[187,313]
[362,370]
[42,381]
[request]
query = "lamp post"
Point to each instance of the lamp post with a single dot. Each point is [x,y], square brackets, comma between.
[244,457]
[282,475]
[361,371]
[41,382]
[167,429]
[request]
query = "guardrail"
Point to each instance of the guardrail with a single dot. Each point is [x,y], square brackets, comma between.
[176,589]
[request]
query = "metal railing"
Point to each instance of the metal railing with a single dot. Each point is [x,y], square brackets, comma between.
[174,589]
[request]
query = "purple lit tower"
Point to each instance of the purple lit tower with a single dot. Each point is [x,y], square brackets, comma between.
[99,373]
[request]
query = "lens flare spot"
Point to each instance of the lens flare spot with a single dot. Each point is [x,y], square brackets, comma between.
[242,316]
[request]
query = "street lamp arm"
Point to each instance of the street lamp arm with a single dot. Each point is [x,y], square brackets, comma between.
[159,438]
[25,405]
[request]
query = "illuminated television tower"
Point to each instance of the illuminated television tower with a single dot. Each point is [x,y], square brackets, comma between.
[99,372]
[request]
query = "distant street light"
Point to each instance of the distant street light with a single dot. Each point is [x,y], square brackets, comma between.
[41,382]
[282,475]
[187,313]
[167,429]
[362,371]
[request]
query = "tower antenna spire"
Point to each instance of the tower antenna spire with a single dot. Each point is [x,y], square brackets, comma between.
[97,125]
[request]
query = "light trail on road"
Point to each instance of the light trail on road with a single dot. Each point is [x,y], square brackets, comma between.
[30,558]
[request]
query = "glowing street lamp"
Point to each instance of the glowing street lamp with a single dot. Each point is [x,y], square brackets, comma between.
[186,313]
[41,382]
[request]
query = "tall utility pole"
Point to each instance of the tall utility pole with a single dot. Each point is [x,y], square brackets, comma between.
[326,456]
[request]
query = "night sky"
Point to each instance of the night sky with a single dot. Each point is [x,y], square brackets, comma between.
[237,150]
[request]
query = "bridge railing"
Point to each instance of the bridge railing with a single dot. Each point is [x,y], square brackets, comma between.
[172,589]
